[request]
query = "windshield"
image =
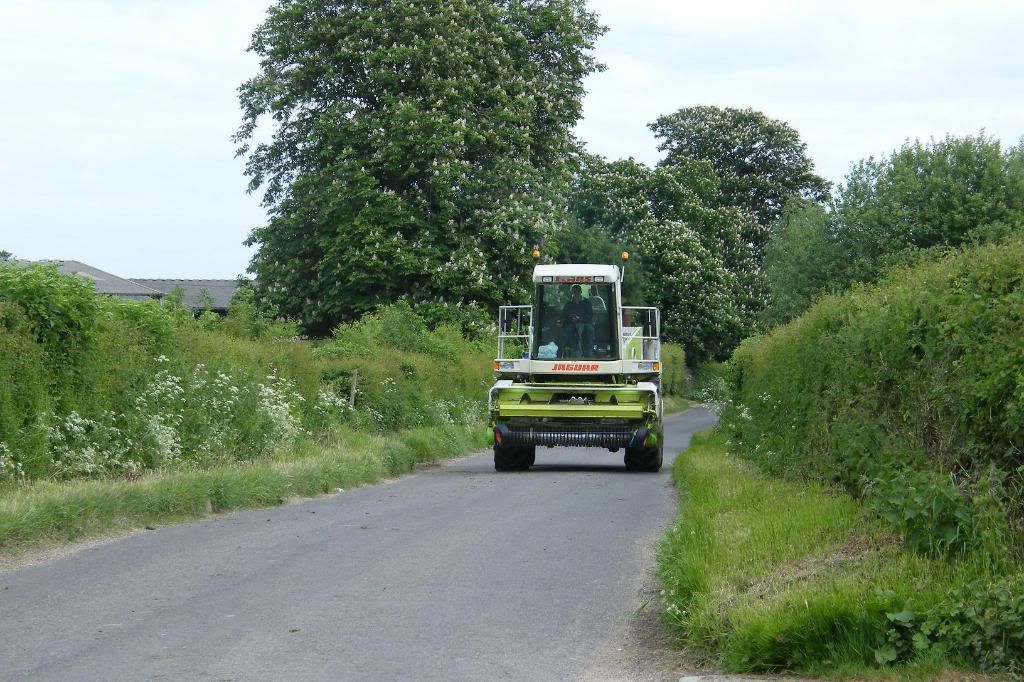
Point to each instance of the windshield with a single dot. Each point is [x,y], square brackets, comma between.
[574,322]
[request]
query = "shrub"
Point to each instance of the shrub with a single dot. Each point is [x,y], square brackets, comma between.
[673,370]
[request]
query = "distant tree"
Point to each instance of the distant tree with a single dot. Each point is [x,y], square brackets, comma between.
[419,149]
[799,261]
[890,211]
[922,196]
[694,290]
[6,256]
[760,162]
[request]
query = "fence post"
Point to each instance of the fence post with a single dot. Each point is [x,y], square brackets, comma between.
[352,390]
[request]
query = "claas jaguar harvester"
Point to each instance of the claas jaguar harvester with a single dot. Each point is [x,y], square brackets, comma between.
[577,368]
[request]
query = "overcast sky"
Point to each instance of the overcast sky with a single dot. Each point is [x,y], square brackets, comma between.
[117,114]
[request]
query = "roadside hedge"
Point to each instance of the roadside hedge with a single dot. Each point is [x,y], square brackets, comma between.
[98,387]
[909,392]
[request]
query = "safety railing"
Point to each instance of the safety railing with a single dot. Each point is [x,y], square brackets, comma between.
[641,334]
[515,329]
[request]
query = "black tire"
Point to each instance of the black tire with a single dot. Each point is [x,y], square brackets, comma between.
[657,459]
[529,455]
[513,458]
[644,459]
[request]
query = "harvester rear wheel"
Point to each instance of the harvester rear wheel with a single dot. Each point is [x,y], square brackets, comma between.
[513,458]
[644,459]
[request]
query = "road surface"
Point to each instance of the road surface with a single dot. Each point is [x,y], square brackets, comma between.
[455,573]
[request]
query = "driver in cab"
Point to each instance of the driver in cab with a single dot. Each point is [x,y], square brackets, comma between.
[578,323]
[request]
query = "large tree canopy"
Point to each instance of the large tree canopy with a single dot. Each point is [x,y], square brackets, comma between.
[761,162]
[419,149]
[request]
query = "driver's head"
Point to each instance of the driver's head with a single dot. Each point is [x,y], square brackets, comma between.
[577,292]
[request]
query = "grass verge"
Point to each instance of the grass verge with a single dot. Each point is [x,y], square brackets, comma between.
[766,575]
[48,512]
[676,403]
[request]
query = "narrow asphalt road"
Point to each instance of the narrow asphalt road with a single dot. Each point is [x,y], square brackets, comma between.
[456,573]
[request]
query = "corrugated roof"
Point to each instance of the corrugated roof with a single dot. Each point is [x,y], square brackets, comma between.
[220,290]
[106,283]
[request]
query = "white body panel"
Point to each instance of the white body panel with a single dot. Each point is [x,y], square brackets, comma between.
[609,273]
[577,367]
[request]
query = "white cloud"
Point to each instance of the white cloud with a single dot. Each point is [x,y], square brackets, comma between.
[854,79]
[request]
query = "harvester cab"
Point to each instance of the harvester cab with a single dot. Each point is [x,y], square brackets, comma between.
[577,368]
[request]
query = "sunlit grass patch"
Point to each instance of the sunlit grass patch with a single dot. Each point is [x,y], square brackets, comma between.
[767,575]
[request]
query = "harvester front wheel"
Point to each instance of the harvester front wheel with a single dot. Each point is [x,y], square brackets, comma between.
[514,458]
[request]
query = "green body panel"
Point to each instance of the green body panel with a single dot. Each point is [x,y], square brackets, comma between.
[632,348]
[525,401]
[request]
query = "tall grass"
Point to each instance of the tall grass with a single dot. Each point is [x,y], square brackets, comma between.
[766,575]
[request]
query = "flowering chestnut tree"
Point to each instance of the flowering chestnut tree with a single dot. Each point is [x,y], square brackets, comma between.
[689,255]
[761,162]
[418,149]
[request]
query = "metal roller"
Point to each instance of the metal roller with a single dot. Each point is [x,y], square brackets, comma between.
[602,438]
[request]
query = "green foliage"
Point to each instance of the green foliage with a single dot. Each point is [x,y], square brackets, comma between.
[910,392]
[61,313]
[982,622]
[979,623]
[921,196]
[24,388]
[798,261]
[673,370]
[249,317]
[99,387]
[693,289]
[709,384]
[400,364]
[760,162]
[942,194]
[419,152]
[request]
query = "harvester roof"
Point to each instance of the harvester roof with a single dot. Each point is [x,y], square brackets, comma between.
[569,273]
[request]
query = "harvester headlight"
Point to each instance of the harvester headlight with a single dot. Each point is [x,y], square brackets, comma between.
[547,278]
[504,365]
[646,366]
[598,278]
